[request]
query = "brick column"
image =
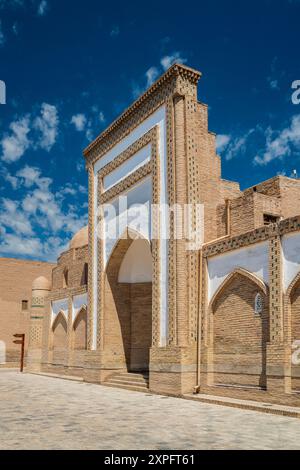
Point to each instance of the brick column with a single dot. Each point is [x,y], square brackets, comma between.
[181,199]
[92,362]
[277,381]
[37,317]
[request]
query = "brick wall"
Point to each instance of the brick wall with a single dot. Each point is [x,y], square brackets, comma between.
[279,196]
[239,335]
[73,263]
[16,277]
[141,325]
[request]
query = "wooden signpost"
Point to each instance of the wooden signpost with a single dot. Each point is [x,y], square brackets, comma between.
[22,342]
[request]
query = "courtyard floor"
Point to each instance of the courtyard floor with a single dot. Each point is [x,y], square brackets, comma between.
[38,412]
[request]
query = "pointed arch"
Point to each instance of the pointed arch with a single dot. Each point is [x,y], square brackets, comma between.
[239,331]
[292,285]
[60,332]
[80,329]
[239,272]
[128,236]
[83,309]
[57,318]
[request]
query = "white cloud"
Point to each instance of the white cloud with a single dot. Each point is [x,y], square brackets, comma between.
[30,132]
[41,223]
[151,75]
[171,59]
[14,219]
[153,72]
[79,121]
[42,8]
[137,90]
[83,124]
[18,245]
[102,117]
[222,141]
[47,126]
[79,166]
[232,146]
[13,180]
[280,144]
[238,145]
[274,84]
[17,142]
[29,175]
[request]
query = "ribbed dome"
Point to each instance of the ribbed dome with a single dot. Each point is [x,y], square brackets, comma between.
[41,283]
[80,238]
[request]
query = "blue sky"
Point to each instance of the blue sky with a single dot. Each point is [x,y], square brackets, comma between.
[71,67]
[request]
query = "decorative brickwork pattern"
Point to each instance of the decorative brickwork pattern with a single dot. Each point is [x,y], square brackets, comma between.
[276,295]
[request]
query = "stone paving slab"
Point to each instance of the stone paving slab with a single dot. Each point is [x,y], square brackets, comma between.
[39,412]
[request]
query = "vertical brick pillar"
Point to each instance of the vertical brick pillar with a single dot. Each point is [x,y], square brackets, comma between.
[93,356]
[91,259]
[70,329]
[181,200]
[276,350]
[40,291]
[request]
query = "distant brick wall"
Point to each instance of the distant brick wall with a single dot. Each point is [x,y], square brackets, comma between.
[279,196]
[16,277]
[73,263]
[239,335]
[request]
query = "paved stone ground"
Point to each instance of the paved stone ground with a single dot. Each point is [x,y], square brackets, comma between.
[47,413]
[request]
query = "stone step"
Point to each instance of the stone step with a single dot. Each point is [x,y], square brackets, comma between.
[132,378]
[130,381]
[134,374]
[134,388]
[117,380]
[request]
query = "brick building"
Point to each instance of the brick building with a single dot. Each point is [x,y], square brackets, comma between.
[16,280]
[130,309]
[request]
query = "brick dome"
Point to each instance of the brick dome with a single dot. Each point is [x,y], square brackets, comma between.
[80,238]
[41,283]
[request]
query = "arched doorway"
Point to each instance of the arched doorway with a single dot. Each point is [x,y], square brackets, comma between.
[80,330]
[240,331]
[128,304]
[60,338]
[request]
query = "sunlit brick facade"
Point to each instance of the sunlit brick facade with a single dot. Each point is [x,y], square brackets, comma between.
[219,319]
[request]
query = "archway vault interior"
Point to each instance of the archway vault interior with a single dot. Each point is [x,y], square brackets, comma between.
[128,304]
[240,335]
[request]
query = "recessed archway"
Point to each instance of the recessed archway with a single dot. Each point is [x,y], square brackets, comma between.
[59,329]
[60,338]
[240,331]
[80,330]
[128,303]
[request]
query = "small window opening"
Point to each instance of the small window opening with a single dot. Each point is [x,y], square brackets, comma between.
[258,304]
[270,219]
[84,279]
[65,278]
